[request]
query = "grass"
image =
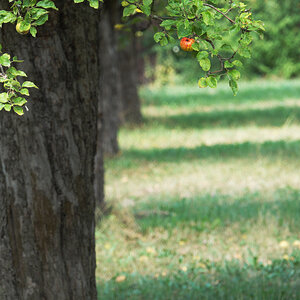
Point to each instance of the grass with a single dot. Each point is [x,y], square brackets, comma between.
[205,196]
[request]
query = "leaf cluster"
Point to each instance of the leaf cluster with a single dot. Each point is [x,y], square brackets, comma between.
[13,93]
[212,24]
[207,22]
[28,15]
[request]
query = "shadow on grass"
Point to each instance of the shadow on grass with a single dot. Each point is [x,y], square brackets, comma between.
[276,116]
[187,97]
[280,280]
[218,211]
[282,149]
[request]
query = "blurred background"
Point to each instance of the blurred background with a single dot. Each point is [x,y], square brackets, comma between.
[275,56]
[202,188]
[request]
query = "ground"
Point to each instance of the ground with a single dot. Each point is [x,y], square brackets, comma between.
[205,196]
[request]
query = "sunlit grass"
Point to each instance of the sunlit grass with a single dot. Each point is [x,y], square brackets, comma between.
[206,197]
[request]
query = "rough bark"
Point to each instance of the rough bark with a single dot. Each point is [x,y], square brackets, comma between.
[129,62]
[47,198]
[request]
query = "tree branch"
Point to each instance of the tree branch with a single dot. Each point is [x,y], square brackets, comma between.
[211,6]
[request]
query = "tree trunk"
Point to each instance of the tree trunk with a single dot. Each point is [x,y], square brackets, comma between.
[129,81]
[47,246]
[110,105]
[110,87]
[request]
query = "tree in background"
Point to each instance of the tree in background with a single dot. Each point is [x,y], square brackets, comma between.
[47,203]
[276,55]
[279,52]
[130,59]
[130,64]
[109,104]
[133,46]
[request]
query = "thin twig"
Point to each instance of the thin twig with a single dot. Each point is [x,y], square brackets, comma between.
[211,6]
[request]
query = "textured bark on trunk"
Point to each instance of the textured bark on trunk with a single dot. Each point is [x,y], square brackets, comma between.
[129,81]
[47,162]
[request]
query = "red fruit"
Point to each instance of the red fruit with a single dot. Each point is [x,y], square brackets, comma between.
[186,44]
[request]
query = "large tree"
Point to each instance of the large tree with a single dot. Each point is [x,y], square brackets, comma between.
[47,199]
[47,161]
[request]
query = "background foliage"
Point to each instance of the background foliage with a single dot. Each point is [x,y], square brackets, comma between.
[277,55]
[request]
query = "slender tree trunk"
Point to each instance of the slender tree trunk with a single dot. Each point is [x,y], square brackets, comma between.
[129,81]
[110,78]
[47,162]
[109,108]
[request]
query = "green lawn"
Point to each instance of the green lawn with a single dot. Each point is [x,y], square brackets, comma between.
[206,197]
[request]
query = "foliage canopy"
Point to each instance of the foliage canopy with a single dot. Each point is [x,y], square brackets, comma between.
[210,23]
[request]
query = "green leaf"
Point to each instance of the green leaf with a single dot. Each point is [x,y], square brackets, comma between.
[228,64]
[146,7]
[18,110]
[195,46]
[182,31]
[202,55]
[5,60]
[37,13]
[33,31]
[13,72]
[146,10]
[237,63]
[7,17]
[3,97]
[202,83]
[7,107]
[207,17]
[47,4]
[147,2]
[20,101]
[245,52]
[234,74]
[29,84]
[211,82]
[94,3]
[158,36]
[234,86]
[168,24]
[164,41]
[246,38]
[129,10]
[41,20]
[24,92]
[205,64]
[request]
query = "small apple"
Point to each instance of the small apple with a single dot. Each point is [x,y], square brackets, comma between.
[24,30]
[186,44]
